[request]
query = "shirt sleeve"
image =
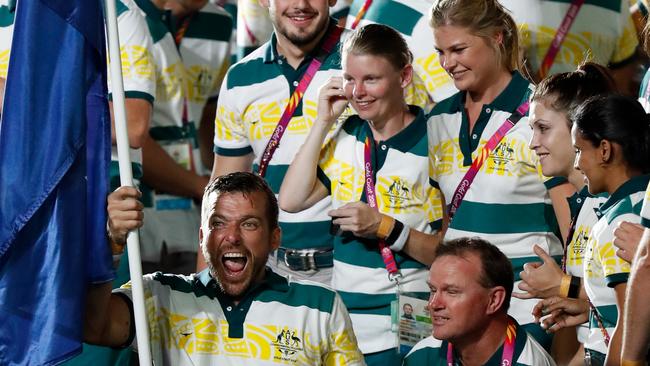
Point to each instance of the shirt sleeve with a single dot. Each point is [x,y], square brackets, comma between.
[230,135]
[615,269]
[138,68]
[343,348]
[628,41]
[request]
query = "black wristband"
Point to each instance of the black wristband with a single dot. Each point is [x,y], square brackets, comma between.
[574,288]
[394,234]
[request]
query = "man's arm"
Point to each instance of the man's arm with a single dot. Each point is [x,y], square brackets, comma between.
[161,172]
[637,312]
[229,164]
[206,133]
[138,116]
[108,316]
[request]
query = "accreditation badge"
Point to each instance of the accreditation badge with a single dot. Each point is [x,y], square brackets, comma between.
[412,321]
[181,152]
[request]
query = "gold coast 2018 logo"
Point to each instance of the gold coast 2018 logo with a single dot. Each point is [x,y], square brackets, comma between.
[288,345]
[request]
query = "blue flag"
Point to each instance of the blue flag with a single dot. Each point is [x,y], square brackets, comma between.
[54,156]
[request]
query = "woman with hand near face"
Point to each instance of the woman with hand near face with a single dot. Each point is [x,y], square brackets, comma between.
[509,201]
[376,170]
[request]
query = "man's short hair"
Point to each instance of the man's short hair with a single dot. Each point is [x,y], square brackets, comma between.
[497,269]
[244,183]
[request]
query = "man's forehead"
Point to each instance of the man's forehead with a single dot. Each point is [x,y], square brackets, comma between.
[455,269]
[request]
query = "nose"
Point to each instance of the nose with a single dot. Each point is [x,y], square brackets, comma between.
[232,234]
[435,302]
[575,162]
[447,62]
[359,90]
[533,143]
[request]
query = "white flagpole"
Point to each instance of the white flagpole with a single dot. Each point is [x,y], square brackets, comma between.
[126,179]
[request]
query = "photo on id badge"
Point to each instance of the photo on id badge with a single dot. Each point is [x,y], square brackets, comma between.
[414,322]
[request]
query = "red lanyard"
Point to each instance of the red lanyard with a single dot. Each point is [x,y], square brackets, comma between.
[508,346]
[360,14]
[295,99]
[386,253]
[467,180]
[561,33]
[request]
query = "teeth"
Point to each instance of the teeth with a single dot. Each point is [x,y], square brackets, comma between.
[234,255]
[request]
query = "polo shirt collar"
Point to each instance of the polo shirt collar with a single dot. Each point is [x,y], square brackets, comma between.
[409,136]
[636,184]
[272,281]
[159,15]
[271,54]
[508,100]
[496,358]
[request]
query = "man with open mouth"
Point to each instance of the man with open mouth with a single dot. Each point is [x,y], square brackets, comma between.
[237,311]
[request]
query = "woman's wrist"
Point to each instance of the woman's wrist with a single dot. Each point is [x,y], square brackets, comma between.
[565,283]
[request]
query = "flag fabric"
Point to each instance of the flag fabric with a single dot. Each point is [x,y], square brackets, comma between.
[54,156]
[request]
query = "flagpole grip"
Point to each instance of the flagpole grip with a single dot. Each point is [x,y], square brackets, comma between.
[126,179]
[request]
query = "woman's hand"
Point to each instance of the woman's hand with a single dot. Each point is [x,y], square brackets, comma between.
[331,101]
[540,280]
[627,237]
[557,312]
[357,218]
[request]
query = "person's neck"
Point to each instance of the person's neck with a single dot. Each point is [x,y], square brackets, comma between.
[492,88]
[383,130]
[618,176]
[477,349]
[296,53]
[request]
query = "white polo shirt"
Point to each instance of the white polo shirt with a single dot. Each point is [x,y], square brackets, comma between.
[603,269]
[508,203]
[192,322]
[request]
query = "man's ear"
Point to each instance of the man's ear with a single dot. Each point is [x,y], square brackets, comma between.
[276,238]
[331,3]
[497,297]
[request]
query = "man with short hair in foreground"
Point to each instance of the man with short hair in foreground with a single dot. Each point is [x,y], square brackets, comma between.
[237,310]
[471,284]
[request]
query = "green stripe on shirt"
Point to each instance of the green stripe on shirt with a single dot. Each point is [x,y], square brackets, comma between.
[510,218]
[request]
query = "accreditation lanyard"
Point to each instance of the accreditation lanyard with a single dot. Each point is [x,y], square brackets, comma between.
[360,14]
[572,230]
[508,346]
[560,34]
[369,186]
[178,38]
[469,176]
[295,99]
